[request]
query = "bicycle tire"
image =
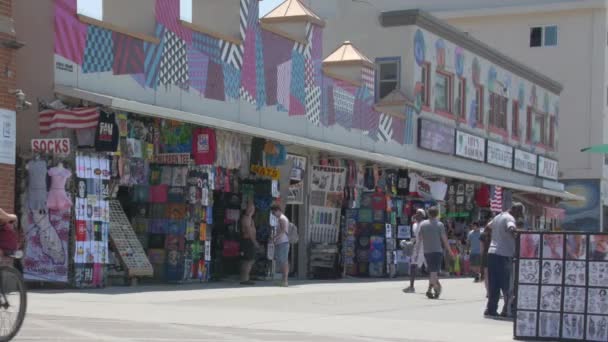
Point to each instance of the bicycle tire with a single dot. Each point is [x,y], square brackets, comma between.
[4,271]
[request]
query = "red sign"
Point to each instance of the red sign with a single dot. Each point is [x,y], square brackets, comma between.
[52,146]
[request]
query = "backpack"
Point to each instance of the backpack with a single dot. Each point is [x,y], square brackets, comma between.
[292,234]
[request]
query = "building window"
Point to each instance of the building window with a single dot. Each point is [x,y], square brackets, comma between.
[426,81]
[498,111]
[543,36]
[552,124]
[515,120]
[537,127]
[388,71]
[479,105]
[443,92]
[461,99]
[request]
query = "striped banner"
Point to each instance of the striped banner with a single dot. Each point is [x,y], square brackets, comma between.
[153,53]
[496,201]
[76,118]
[128,55]
[70,33]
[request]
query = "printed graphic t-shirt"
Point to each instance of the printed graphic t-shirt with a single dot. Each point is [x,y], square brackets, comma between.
[106,134]
[204,146]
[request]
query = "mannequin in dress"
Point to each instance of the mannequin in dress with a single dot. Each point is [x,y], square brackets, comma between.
[57,198]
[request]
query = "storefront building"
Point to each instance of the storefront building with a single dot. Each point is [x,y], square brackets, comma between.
[188,122]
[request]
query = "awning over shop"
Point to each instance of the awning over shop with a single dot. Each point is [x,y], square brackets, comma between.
[174,114]
[540,207]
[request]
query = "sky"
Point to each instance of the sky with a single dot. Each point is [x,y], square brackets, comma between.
[267,5]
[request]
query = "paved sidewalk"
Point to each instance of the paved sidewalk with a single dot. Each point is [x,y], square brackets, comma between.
[320,311]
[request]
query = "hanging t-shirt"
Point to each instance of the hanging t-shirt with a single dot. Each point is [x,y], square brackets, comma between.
[204,146]
[106,133]
[379,201]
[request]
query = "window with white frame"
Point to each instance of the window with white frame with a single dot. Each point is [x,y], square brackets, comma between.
[388,70]
[443,92]
[537,127]
[543,36]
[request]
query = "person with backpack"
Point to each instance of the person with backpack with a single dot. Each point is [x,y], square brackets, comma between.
[281,243]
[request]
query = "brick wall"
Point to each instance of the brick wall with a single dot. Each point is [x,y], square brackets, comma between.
[8,81]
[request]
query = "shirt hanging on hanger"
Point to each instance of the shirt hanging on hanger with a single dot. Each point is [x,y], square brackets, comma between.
[106,134]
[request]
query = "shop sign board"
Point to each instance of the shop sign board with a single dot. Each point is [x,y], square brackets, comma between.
[525,162]
[8,136]
[435,136]
[470,146]
[499,154]
[173,158]
[269,172]
[547,168]
[60,146]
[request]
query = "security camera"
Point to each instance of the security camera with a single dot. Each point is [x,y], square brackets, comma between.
[22,104]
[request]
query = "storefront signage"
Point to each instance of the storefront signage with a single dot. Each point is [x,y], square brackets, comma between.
[51,146]
[499,154]
[470,146]
[435,136]
[173,158]
[262,171]
[8,136]
[547,168]
[525,162]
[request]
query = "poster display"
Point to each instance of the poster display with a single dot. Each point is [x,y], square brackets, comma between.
[561,287]
[46,245]
[326,195]
[92,219]
[435,136]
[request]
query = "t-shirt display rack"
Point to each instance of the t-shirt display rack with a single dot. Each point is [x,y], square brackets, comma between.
[561,287]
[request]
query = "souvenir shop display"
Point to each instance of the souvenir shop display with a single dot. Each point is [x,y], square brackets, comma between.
[327,187]
[92,219]
[561,287]
[130,252]
[47,216]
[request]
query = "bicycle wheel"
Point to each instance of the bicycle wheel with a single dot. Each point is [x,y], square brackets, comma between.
[13,302]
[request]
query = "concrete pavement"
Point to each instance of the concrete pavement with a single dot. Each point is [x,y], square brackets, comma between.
[320,311]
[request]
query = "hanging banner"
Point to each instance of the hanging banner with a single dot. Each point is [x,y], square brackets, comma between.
[525,162]
[326,196]
[298,169]
[59,146]
[46,245]
[8,136]
[499,154]
[173,158]
[296,194]
[427,189]
[435,136]
[547,168]
[470,146]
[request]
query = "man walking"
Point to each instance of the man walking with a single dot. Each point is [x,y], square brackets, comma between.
[474,247]
[281,243]
[435,243]
[500,256]
[417,259]
[249,244]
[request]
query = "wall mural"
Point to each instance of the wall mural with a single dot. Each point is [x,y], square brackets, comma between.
[447,57]
[266,70]
[584,215]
